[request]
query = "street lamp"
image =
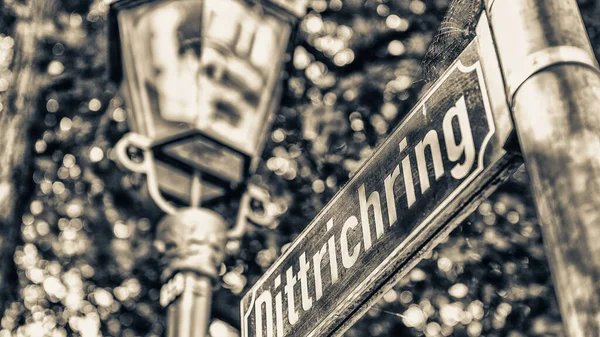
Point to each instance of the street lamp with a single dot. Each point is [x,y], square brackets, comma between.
[201,81]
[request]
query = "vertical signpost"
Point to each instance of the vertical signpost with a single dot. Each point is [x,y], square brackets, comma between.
[445,156]
[553,84]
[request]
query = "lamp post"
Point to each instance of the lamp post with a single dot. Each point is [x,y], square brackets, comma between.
[201,82]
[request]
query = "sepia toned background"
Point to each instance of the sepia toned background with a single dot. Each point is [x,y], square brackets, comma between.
[76,238]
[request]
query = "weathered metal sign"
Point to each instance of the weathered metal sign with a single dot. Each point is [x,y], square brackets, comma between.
[416,187]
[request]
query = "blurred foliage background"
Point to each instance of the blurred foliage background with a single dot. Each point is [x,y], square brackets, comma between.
[84,264]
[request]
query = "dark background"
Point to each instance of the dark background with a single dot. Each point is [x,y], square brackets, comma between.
[77,246]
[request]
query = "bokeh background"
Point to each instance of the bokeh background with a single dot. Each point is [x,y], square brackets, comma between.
[79,260]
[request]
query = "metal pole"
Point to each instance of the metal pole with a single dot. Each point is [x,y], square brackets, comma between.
[193,241]
[189,315]
[553,85]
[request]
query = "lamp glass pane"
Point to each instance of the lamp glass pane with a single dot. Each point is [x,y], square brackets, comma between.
[242,48]
[176,184]
[161,46]
[210,157]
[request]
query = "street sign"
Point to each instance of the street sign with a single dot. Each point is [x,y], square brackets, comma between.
[418,185]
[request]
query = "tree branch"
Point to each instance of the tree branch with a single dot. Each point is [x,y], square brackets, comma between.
[16,121]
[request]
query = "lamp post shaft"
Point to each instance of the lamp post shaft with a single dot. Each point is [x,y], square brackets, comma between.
[553,85]
[193,242]
[189,315]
